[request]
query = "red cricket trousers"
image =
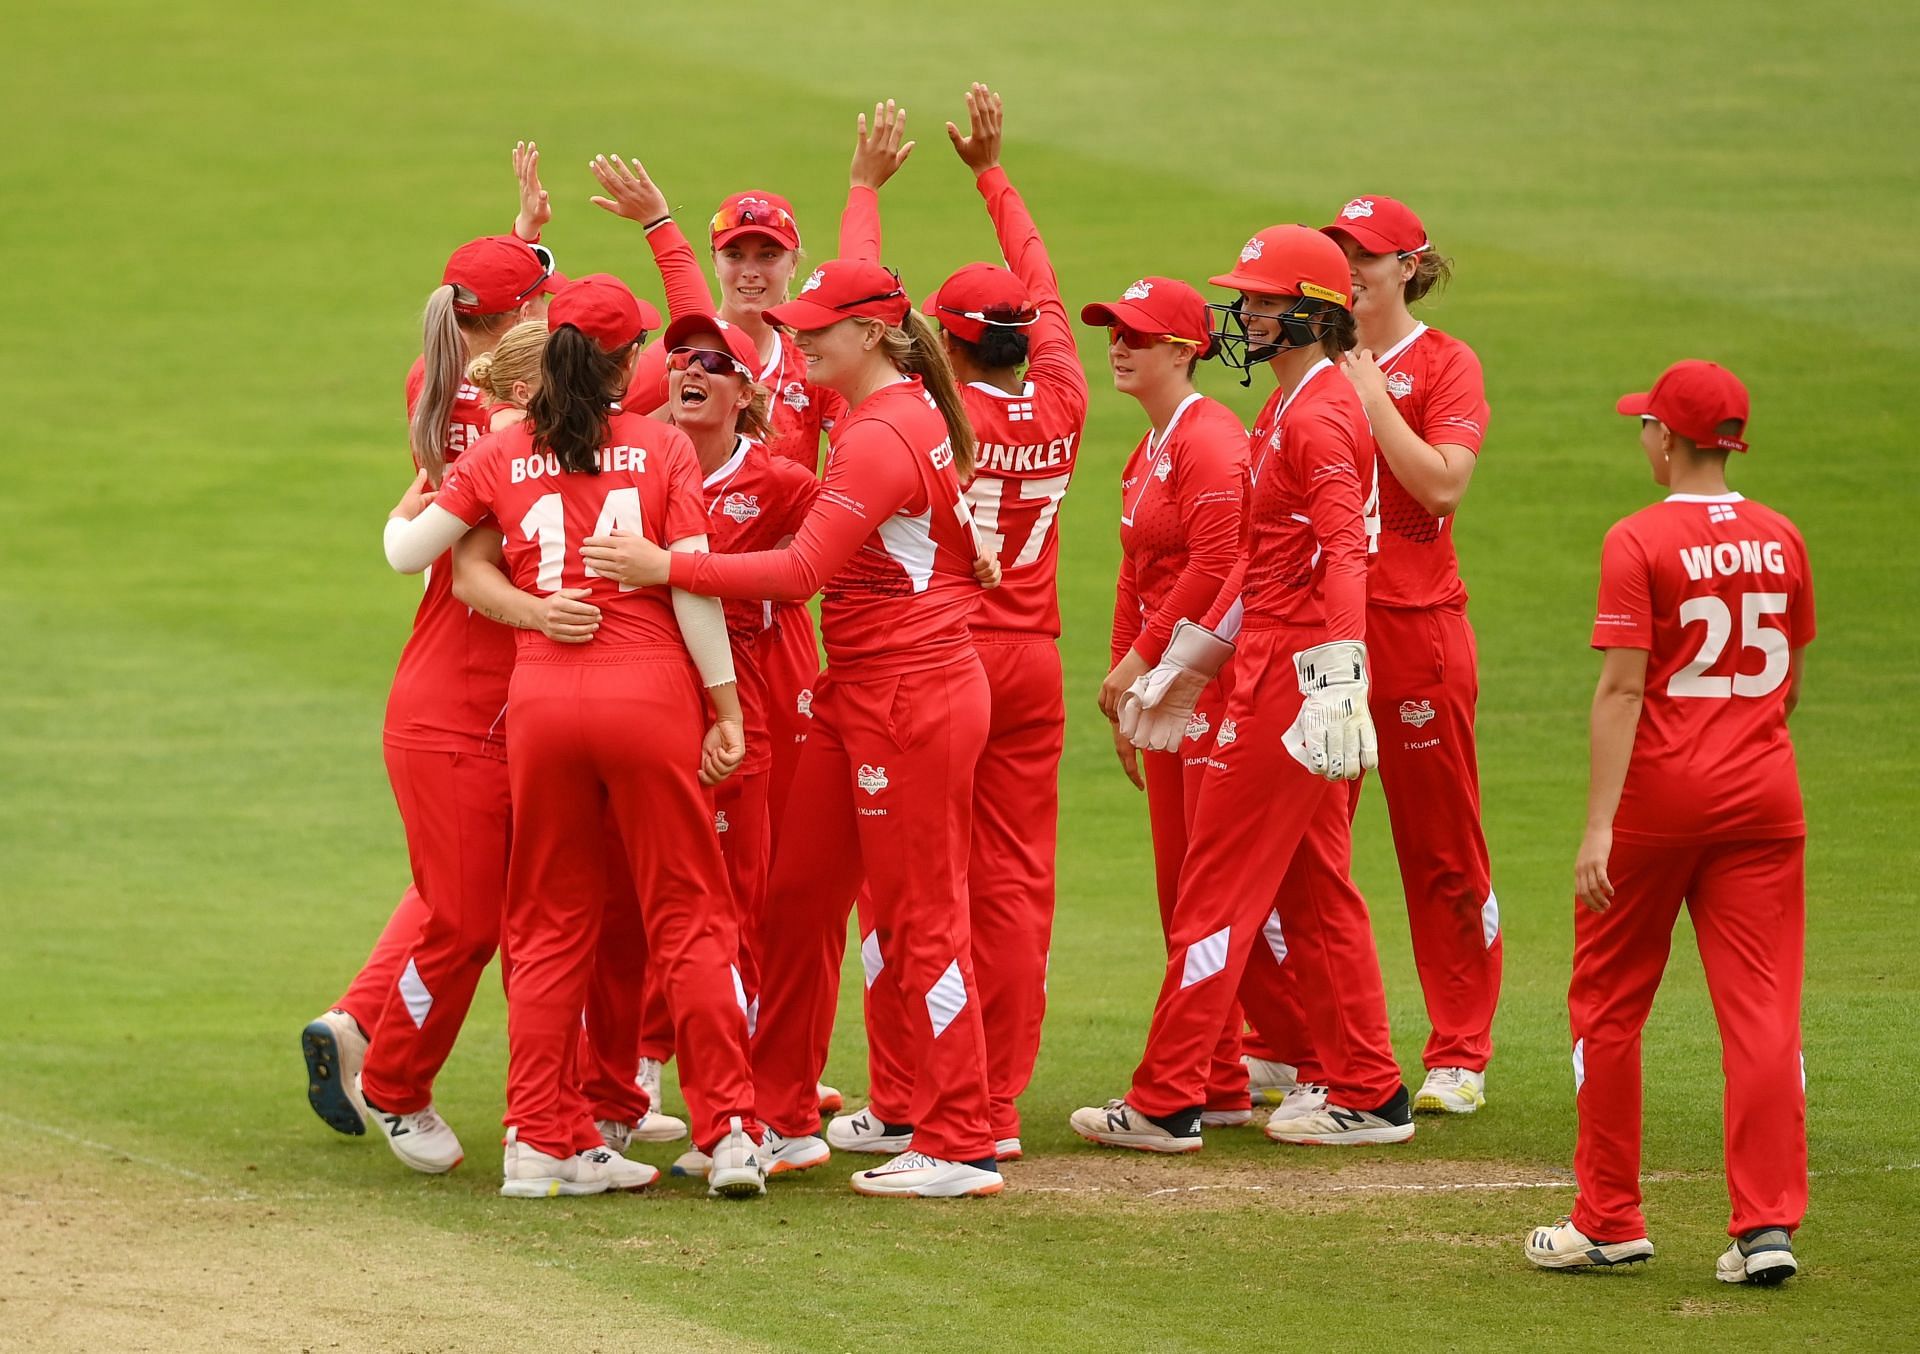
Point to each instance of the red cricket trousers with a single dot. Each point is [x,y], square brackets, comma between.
[1425,684]
[883,796]
[366,997]
[1258,811]
[455,808]
[1010,885]
[790,662]
[1747,900]
[616,733]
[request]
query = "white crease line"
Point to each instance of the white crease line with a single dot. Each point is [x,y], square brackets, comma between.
[107,1149]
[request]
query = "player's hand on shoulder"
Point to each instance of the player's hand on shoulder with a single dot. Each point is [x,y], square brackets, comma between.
[415,500]
[626,558]
[630,191]
[879,151]
[1368,380]
[722,751]
[979,149]
[565,617]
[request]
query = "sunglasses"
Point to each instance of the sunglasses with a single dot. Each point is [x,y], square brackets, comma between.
[1133,338]
[712,363]
[1009,319]
[754,213]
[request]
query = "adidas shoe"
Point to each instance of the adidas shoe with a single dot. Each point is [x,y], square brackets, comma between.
[915,1175]
[1451,1090]
[1763,1256]
[1118,1124]
[535,1175]
[1309,1097]
[334,1048]
[1564,1246]
[1338,1126]
[865,1131]
[1225,1118]
[734,1170]
[692,1164]
[831,1100]
[1270,1082]
[1007,1149]
[782,1154]
[422,1139]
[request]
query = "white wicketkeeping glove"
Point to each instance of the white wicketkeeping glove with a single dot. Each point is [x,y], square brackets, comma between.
[1155,710]
[1333,735]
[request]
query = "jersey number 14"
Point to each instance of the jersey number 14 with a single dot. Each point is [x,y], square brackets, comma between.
[546,524]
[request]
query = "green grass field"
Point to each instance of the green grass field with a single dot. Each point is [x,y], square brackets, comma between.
[220,222]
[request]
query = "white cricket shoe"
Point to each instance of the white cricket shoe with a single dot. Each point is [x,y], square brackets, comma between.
[1270,1082]
[1564,1246]
[831,1101]
[1338,1126]
[865,1131]
[1118,1124]
[915,1175]
[782,1154]
[1007,1149]
[422,1139]
[1309,1097]
[1452,1090]
[734,1170]
[623,1174]
[334,1049]
[657,1126]
[1225,1118]
[1763,1256]
[616,1135]
[535,1175]
[692,1164]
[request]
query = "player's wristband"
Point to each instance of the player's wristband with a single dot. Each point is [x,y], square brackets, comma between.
[654,225]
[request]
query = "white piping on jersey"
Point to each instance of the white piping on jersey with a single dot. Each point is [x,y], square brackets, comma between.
[1392,354]
[1159,451]
[772,368]
[999,394]
[730,468]
[1704,498]
[1285,405]
[909,543]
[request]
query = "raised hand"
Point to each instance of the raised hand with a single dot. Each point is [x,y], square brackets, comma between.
[879,153]
[535,210]
[630,193]
[979,149]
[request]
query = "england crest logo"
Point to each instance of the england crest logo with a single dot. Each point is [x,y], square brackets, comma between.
[804,704]
[1252,249]
[1228,732]
[1416,713]
[1139,291]
[813,282]
[1356,209]
[795,395]
[872,779]
[1197,726]
[740,507]
[1400,385]
[720,820]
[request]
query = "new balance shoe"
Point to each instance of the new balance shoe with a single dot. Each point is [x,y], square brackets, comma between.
[865,1131]
[334,1049]
[1763,1256]
[1564,1246]
[1225,1118]
[1451,1090]
[831,1101]
[692,1164]
[1007,1149]
[1118,1124]
[1309,1097]
[734,1170]
[783,1154]
[1270,1082]
[422,1139]
[623,1174]
[1337,1126]
[915,1175]
[535,1175]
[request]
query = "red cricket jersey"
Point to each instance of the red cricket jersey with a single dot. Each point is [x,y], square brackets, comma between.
[1025,443]
[1181,501]
[450,688]
[754,501]
[1307,538]
[888,543]
[648,483]
[1718,591]
[1436,385]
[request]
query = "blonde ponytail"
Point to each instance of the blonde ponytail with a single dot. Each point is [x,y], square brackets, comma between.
[514,360]
[444,348]
[914,348]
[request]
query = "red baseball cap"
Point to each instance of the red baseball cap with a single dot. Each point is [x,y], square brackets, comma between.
[976,296]
[600,306]
[733,340]
[1156,305]
[755,213]
[502,271]
[1291,261]
[844,289]
[1694,398]
[1380,225]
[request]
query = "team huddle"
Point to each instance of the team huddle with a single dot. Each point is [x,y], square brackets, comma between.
[620,765]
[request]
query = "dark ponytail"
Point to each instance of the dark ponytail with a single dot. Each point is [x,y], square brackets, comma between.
[998,347]
[578,385]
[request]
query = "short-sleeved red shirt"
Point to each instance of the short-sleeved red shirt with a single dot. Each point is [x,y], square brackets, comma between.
[1719,593]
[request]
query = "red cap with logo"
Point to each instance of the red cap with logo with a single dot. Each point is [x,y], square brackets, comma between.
[844,289]
[976,296]
[502,271]
[1694,398]
[1162,306]
[755,213]
[602,307]
[733,340]
[1290,261]
[1380,225]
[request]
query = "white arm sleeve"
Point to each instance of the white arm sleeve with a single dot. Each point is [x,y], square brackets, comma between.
[703,625]
[412,546]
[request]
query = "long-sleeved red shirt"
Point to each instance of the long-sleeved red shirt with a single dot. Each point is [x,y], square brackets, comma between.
[888,543]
